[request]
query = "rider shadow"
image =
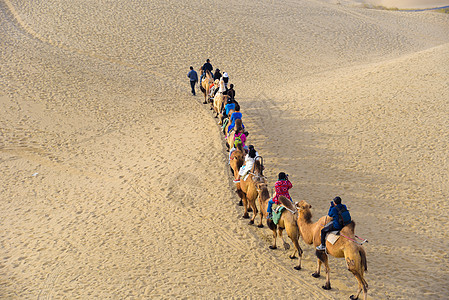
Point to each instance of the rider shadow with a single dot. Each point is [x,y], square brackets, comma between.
[294,144]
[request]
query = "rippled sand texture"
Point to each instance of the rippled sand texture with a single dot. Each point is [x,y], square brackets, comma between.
[114,178]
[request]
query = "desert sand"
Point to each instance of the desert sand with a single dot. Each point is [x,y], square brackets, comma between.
[393,4]
[115,183]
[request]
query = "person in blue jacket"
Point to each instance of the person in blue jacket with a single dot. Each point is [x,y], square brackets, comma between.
[193,79]
[340,217]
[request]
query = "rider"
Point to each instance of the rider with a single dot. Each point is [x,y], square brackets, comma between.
[226,80]
[250,159]
[207,66]
[235,115]
[340,217]
[231,92]
[281,188]
[228,107]
[217,74]
[239,138]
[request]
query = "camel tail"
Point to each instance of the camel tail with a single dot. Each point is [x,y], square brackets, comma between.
[287,203]
[363,258]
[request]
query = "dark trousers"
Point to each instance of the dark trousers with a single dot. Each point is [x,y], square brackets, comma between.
[327,228]
[192,84]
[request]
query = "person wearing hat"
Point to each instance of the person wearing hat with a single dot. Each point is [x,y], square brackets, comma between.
[225,80]
[340,217]
[217,74]
[281,188]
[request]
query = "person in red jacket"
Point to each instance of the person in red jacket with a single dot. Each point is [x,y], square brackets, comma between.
[281,188]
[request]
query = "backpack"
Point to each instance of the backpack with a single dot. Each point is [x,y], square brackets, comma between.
[344,218]
[237,140]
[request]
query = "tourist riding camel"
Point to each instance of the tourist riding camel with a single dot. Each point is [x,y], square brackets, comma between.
[234,116]
[281,188]
[287,221]
[246,186]
[206,67]
[343,245]
[239,134]
[205,85]
[340,217]
[250,159]
[217,74]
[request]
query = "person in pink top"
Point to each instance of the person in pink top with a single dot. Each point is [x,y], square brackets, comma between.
[239,138]
[281,188]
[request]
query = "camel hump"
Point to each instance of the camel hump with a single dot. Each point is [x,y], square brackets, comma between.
[287,203]
[349,229]
[351,226]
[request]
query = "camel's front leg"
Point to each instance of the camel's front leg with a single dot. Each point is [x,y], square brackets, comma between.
[245,205]
[261,218]
[254,208]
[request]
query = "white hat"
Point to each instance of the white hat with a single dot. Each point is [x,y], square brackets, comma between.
[225,74]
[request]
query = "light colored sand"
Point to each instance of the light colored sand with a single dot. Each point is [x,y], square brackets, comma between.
[114,178]
[400,4]
[410,3]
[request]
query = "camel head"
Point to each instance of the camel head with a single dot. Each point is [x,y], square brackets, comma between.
[262,189]
[303,205]
[304,210]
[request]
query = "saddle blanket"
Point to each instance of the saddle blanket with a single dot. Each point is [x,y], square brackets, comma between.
[277,212]
[225,122]
[332,237]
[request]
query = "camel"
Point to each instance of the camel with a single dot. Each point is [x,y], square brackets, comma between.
[287,221]
[219,99]
[247,189]
[236,160]
[345,246]
[205,85]
[230,138]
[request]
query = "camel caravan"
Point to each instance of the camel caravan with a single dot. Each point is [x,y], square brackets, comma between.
[332,234]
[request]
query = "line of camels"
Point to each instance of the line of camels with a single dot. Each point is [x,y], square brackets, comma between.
[296,219]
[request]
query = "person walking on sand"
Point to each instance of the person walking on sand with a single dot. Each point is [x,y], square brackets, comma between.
[193,79]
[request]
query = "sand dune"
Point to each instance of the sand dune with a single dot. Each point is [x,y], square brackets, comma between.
[114,178]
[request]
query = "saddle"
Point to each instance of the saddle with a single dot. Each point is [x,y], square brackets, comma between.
[277,212]
[333,236]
